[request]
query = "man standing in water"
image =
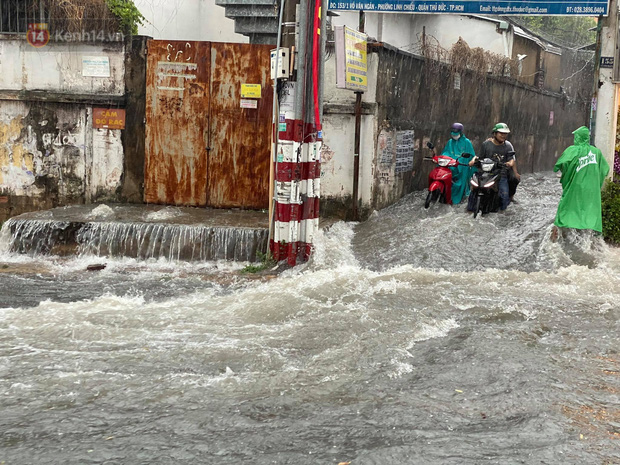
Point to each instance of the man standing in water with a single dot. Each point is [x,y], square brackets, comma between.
[583,170]
[455,148]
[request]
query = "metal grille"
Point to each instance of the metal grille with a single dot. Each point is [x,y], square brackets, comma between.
[15,15]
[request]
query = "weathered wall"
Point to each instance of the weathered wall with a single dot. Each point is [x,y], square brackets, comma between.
[50,154]
[409,97]
[413,104]
[552,64]
[133,136]
[337,151]
[448,29]
[529,64]
[57,67]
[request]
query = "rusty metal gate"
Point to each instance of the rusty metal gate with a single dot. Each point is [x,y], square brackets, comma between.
[202,147]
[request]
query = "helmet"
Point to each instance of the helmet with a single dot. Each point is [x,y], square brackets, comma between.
[456,127]
[501,127]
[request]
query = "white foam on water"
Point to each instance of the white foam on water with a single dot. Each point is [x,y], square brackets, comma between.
[433,330]
[101,212]
[166,213]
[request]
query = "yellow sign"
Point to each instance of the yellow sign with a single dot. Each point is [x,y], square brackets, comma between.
[355,60]
[250,90]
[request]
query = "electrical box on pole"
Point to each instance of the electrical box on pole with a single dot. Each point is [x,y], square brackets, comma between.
[281,62]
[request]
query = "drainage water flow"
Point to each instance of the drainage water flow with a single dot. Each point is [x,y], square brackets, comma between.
[419,336]
[37,234]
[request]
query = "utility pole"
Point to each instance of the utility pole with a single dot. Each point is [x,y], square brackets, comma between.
[298,134]
[356,147]
[605,92]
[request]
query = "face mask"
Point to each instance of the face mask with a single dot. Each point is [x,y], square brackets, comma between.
[455,135]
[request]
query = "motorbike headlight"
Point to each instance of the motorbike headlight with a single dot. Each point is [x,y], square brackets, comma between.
[473,182]
[489,184]
[487,166]
[443,162]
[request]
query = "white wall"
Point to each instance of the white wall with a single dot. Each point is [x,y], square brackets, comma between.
[187,20]
[404,31]
[337,152]
[57,67]
[393,28]
[447,29]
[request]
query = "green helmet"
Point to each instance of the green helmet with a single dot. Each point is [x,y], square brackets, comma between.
[501,127]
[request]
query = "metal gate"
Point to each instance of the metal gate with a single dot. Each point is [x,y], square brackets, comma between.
[202,147]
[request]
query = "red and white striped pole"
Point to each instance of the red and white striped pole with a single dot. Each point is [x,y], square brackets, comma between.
[298,169]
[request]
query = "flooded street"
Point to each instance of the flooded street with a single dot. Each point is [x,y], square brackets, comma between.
[417,337]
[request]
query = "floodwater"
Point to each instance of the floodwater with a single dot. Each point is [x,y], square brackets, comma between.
[417,337]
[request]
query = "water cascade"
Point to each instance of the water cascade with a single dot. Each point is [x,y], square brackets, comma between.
[151,237]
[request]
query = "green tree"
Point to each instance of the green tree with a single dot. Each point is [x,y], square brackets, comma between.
[570,31]
[128,14]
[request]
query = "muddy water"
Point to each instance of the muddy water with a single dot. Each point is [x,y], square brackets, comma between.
[417,337]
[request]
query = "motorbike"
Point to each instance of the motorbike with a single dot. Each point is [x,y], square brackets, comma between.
[485,185]
[440,178]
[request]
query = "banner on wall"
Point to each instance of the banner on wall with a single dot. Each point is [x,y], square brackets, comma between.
[351,59]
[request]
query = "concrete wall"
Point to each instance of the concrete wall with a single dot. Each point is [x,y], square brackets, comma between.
[337,152]
[410,104]
[57,67]
[404,31]
[50,154]
[187,20]
[447,29]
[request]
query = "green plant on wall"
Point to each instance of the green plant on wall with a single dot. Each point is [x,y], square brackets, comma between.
[610,199]
[128,15]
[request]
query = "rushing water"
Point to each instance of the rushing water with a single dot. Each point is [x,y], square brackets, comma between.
[417,337]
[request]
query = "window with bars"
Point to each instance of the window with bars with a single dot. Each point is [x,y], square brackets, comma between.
[15,15]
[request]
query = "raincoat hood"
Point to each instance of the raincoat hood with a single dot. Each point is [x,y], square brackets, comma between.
[582,135]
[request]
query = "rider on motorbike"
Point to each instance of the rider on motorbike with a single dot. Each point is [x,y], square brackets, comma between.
[498,149]
[455,148]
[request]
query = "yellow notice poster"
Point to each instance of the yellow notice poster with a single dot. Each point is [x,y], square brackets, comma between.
[250,90]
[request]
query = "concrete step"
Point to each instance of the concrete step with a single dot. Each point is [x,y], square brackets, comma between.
[267,39]
[250,11]
[256,25]
[245,2]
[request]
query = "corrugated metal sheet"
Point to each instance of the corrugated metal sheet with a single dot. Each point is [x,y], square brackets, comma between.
[175,169]
[240,137]
[202,148]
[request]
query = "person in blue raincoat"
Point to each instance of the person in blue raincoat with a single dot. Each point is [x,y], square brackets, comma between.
[455,148]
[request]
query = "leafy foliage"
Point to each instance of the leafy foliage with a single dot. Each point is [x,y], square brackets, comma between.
[128,15]
[610,202]
[570,31]
[266,261]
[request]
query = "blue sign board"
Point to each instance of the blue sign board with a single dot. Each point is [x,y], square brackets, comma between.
[478,7]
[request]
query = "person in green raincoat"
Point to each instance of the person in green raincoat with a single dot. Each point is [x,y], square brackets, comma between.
[455,148]
[583,170]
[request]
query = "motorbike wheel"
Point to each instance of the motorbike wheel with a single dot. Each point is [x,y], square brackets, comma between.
[476,206]
[431,198]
